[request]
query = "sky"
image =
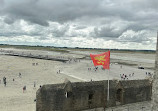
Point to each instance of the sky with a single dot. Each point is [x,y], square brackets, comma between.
[114,24]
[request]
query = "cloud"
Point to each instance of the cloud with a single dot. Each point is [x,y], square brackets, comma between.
[9,20]
[132,36]
[14,34]
[128,21]
[60,30]
[80,27]
[112,28]
[42,11]
[1,2]
[106,32]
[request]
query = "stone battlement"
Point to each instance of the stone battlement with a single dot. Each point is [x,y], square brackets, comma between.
[87,95]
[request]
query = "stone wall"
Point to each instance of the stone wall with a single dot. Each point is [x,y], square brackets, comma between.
[155,82]
[87,95]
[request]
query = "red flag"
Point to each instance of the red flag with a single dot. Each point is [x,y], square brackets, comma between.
[101,59]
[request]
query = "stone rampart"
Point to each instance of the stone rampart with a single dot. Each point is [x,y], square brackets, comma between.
[79,96]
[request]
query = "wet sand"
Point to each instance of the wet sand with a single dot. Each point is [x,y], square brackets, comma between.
[12,97]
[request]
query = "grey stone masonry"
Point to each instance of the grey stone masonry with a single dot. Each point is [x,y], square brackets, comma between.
[79,96]
[155,82]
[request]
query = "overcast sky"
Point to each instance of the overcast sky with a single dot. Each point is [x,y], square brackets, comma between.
[120,24]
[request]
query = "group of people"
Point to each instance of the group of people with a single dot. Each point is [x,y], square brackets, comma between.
[126,77]
[20,75]
[58,72]
[34,64]
[95,68]
[123,77]
[71,60]
[149,74]
[5,79]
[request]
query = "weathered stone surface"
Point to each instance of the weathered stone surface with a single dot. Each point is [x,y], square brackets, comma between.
[87,95]
[155,82]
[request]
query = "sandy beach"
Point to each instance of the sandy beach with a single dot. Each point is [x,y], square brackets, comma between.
[36,72]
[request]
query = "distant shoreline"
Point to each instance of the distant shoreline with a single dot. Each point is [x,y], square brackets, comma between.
[66,49]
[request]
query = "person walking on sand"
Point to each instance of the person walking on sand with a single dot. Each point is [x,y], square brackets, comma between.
[34,84]
[133,74]
[19,74]
[24,89]
[4,81]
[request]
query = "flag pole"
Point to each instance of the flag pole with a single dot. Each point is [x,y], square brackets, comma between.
[108,88]
[108,81]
